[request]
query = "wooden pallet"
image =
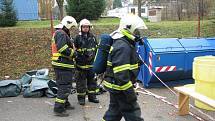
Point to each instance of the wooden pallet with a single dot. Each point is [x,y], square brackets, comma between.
[189,91]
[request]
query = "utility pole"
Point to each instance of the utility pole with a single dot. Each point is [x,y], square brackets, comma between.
[199,14]
[51,18]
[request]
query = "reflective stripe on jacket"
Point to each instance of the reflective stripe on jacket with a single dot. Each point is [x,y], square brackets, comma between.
[86,50]
[62,51]
[122,65]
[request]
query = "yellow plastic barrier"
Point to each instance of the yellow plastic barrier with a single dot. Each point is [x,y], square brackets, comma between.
[204,75]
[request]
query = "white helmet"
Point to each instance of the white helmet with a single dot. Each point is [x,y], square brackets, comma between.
[68,22]
[84,22]
[131,22]
[128,24]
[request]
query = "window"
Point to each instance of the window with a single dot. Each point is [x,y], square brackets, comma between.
[143,10]
[152,13]
[133,10]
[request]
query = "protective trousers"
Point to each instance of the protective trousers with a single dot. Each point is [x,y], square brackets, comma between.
[64,85]
[85,82]
[119,107]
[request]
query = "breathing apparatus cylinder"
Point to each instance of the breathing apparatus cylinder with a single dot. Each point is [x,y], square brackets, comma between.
[100,61]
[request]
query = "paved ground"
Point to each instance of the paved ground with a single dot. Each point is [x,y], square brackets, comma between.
[40,109]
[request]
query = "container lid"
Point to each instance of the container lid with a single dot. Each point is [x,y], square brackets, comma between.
[194,44]
[165,45]
[208,60]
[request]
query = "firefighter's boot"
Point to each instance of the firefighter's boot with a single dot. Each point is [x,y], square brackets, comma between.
[59,110]
[68,106]
[92,98]
[81,99]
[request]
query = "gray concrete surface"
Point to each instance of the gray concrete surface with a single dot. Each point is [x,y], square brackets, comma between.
[41,109]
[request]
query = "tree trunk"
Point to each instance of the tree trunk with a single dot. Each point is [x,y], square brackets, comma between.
[60,5]
[139,7]
[179,8]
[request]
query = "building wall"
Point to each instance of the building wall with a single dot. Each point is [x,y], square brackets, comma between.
[155,15]
[26,9]
[120,12]
[144,11]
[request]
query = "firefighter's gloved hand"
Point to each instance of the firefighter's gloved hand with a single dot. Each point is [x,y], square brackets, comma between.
[133,80]
[130,95]
[140,62]
[75,54]
[71,41]
[139,39]
[135,85]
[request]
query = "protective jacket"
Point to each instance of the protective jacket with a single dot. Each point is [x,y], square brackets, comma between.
[122,65]
[62,51]
[86,50]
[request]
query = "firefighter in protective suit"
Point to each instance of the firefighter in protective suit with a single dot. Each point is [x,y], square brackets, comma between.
[122,69]
[62,55]
[85,44]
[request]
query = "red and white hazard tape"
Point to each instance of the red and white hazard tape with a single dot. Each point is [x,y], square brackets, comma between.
[163,99]
[159,69]
[165,68]
[150,62]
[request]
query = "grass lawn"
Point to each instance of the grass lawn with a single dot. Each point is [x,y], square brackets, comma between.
[35,24]
[46,23]
[159,30]
[181,29]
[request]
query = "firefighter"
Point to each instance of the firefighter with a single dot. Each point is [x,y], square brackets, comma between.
[85,44]
[62,54]
[122,69]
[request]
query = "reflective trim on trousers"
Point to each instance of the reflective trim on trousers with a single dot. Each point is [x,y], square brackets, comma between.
[59,100]
[82,94]
[92,92]
[117,87]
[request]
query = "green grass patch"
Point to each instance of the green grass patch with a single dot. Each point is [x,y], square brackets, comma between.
[106,21]
[35,24]
[180,29]
[162,29]
[46,23]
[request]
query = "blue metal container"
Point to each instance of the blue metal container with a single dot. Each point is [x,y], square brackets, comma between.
[171,59]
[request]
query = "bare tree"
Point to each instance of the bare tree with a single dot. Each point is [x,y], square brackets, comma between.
[139,3]
[135,2]
[183,9]
[109,4]
[139,7]
[60,5]
[179,9]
